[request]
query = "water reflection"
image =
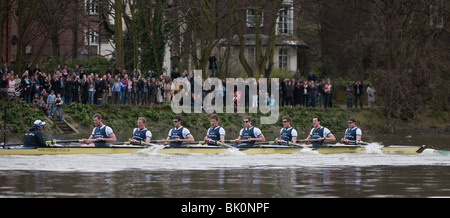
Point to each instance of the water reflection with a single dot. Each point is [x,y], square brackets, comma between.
[236,183]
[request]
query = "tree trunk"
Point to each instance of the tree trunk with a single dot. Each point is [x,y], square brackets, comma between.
[119,34]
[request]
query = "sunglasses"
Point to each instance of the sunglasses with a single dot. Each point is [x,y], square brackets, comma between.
[284,121]
[246,121]
[350,122]
[175,121]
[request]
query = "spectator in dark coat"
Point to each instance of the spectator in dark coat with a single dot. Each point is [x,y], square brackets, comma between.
[358,88]
[312,76]
[212,65]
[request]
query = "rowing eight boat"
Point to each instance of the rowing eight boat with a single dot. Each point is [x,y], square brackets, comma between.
[192,149]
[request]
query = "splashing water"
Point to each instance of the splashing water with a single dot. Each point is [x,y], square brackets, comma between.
[234,152]
[373,148]
[307,150]
[151,150]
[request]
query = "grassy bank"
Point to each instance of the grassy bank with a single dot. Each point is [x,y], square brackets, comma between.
[122,118]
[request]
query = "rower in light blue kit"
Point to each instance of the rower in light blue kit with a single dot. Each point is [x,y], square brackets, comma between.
[249,135]
[101,135]
[178,134]
[287,133]
[319,134]
[353,134]
[141,134]
[215,133]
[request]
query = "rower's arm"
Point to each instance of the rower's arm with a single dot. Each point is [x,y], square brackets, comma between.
[260,138]
[222,138]
[294,139]
[330,137]
[190,138]
[112,138]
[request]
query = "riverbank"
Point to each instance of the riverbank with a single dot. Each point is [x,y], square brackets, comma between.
[122,118]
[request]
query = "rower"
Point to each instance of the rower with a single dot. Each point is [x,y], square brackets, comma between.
[141,134]
[353,134]
[319,134]
[215,133]
[288,133]
[34,137]
[249,135]
[178,134]
[101,134]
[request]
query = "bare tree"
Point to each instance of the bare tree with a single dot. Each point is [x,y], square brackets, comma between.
[53,18]
[264,54]
[5,10]
[411,55]
[203,27]
[26,10]
[118,8]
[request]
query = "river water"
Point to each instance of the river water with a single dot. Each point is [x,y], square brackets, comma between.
[305,174]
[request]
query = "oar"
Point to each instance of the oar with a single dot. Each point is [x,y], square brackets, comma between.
[356,142]
[12,145]
[311,140]
[294,144]
[54,141]
[218,143]
[148,145]
[161,141]
[242,141]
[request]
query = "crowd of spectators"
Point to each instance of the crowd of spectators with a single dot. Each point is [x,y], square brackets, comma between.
[50,90]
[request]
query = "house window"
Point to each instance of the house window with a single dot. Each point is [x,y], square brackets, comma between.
[91,37]
[437,14]
[284,21]
[254,16]
[283,58]
[91,7]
